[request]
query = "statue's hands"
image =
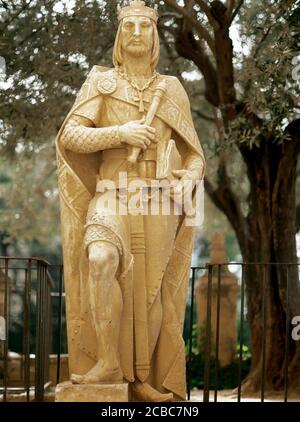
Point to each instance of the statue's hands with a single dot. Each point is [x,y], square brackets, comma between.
[137,134]
[187,180]
[187,174]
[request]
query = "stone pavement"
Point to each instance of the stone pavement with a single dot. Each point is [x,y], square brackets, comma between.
[229,396]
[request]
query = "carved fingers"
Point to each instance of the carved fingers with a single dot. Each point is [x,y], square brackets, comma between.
[137,134]
[187,179]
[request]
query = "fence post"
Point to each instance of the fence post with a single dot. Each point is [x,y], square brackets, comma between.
[59,323]
[207,338]
[40,333]
[191,334]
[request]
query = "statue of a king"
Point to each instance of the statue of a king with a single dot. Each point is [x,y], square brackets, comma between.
[126,274]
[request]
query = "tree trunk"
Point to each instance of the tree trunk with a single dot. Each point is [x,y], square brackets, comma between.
[267,234]
[271,238]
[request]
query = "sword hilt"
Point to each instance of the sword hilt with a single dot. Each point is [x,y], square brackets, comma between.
[159,92]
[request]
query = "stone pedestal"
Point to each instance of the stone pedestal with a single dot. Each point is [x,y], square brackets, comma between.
[101,393]
[228,306]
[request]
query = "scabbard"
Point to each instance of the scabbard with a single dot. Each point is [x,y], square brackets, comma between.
[138,249]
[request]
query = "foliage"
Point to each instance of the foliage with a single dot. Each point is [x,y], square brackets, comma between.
[264,78]
[227,377]
[30,197]
[49,47]
[47,59]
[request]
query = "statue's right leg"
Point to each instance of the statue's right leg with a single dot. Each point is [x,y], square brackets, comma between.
[105,299]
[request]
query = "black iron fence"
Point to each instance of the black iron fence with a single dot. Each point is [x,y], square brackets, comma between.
[26,289]
[214,291]
[39,287]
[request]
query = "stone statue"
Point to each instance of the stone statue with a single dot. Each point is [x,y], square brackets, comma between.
[126,275]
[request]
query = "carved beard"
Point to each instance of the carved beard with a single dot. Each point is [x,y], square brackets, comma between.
[140,50]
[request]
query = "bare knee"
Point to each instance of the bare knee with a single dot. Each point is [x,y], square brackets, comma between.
[103,258]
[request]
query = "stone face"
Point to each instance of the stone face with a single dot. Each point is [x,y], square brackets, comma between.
[100,393]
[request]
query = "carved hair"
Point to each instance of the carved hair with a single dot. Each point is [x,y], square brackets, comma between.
[117,53]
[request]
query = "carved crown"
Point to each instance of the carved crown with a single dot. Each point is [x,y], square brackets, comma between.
[138,8]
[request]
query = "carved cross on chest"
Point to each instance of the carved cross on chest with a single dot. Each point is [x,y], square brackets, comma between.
[140,98]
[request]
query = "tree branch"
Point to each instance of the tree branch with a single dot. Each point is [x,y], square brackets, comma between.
[291,151]
[298,218]
[188,47]
[206,9]
[169,29]
[24,7]
[225,200]
[256,52]
[230,7]
[171,56]
[171,15]
[224,197]
[224,60]
[263,38]
[219,125]
[203,116]
[237,9]
[194,23]
[31,34]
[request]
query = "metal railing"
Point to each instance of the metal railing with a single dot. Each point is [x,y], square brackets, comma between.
[39,289]
[215,272]
[30,280]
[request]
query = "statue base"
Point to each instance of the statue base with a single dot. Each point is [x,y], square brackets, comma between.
[105,393]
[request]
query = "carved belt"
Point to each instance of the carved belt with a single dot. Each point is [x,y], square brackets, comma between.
[122,153]
[145,166]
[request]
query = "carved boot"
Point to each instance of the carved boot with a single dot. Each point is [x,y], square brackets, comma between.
[142,391]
